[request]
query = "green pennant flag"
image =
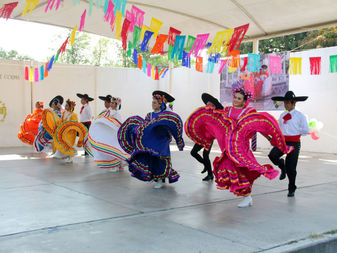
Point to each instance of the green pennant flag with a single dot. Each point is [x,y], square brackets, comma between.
[129,49]
[333,63]
[169,53]
[56,57]
[136,36]
[189,44]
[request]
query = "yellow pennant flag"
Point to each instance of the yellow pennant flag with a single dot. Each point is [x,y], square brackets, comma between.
[155,26]
[218,41]
[118,24]
[227,37]
[144,29]
[30,6]
[31,75]
[295,65]
[153,72]
[72,36]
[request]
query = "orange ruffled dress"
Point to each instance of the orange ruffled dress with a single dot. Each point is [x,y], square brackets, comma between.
[30,127]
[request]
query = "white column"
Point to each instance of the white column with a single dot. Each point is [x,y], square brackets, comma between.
[255,46]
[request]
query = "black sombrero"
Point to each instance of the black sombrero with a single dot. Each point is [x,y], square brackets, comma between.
[167,96]
[209,98]
[58,98]
[290,96]
[105,98]
[85,96]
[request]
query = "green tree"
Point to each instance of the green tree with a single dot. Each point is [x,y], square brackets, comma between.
[13,55]
[122,59]
[246,47]
[280,44]
[99,55]
[326,37]
[78,52]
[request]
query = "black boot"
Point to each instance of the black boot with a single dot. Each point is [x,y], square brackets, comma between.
[208,177]
[283,169]
[204,170]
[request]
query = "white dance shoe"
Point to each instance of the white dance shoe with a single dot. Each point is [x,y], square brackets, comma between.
[68,159]
[247,201]
[158,185]
[114,169]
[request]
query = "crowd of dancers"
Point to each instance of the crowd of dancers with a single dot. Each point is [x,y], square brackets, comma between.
[144,143]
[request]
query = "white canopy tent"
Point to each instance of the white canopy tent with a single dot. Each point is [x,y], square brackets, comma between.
[267,18]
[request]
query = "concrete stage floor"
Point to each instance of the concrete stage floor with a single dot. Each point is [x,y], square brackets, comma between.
[48,206]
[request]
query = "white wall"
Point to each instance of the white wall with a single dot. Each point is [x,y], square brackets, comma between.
[135,89]
[15,94]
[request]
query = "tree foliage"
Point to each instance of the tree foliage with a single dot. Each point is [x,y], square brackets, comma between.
[78,52]
[326,37]
[13,55]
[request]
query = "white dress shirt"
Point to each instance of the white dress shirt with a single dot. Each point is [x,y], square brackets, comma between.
[297,125]
[116,115]
[113,114]
[86,114]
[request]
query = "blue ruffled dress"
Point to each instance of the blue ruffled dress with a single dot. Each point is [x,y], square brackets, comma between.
[148,142]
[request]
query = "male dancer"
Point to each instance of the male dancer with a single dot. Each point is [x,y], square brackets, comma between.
[293,124]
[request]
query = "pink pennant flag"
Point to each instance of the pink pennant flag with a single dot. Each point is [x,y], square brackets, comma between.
[36,75]
[275,64]
[149,68]
[136,17]
[7,9]
[199,44]
[82,20]
[315,65]
[109,15]
[222,65]
[26,73]
[51,3]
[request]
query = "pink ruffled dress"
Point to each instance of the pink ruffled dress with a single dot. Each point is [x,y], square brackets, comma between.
[236,168]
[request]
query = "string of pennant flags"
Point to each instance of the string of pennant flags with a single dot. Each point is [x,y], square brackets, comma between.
[128,26]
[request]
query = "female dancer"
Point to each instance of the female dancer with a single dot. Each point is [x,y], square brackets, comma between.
[233,127]
[30,127]
[102,142]
[212,101]
[67,116]
[43,139]
[148,141]
[85,112]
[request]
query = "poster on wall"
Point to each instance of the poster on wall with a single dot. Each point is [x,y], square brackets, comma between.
[265,78]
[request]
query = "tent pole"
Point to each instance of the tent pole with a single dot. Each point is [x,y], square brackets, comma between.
[31,91]
[170,81]
[255,46]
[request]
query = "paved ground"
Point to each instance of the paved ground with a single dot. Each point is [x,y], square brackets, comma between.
[48,206]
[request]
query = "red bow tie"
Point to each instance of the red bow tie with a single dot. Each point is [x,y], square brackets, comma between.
[82,109]
[286,118]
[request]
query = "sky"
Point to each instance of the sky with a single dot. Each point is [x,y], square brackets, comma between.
[34,39]
[31,39]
